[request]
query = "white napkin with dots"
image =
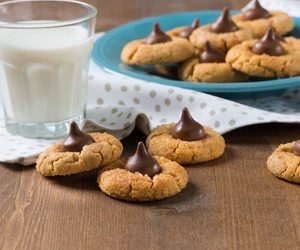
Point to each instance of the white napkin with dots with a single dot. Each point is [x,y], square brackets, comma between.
[117,104]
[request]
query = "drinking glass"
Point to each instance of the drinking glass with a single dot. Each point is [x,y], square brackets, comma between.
[45,48]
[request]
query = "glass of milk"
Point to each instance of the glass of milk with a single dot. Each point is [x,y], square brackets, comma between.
[45,48]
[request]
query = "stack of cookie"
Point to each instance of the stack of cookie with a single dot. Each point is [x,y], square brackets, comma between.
[147,175]
[231,49]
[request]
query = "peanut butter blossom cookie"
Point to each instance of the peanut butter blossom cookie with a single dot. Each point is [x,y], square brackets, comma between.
[157,48]
[284,162]
[269,57]
[259,19]
[185,31]
[79,152]
[209,66]
[143,177]
[187,142]
[224,33]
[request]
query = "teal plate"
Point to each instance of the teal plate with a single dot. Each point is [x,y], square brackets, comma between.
[107,49]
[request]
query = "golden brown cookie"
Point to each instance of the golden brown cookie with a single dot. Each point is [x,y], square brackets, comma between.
[160,142]
[139,53]
[280,21]
[119,183]
[284,163]
[222,41]
[195,71]
[105,150]
[242,58]
[223,34]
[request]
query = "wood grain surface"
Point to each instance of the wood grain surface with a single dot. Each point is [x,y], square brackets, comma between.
[231,203]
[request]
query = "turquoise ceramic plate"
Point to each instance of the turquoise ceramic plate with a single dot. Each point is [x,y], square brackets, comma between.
[107,49]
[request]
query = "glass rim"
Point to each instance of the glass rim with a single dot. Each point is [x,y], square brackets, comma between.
[92,12]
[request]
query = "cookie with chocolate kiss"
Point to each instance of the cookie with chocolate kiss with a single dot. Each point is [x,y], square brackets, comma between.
[79,152]
[142,177]
[284,162]
[223,34]
[269,45]
[258,19]
[158,48]
[256,12]
[268,57]
[157,36]
[142,162]
[186,142]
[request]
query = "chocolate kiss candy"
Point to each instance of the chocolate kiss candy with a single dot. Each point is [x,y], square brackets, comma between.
[142,162]
[224,23]
[269,45]
[157,36]
[187,129]
[76,139]
[188,30]
[256,12]
[297,148]
[211,55]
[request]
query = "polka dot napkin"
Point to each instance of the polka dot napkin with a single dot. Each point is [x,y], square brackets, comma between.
[117,104]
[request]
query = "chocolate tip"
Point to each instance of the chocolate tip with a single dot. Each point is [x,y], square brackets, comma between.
[185,110]
[141,149]
[73,123]
[156,26]
[269,33]
[207,45]
[186,115]
[226,11]
[257,3]
[73,127]
[196,23]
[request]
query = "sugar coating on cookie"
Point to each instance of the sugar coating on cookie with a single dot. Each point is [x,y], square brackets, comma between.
[139,53]
[54,161]
[195,71]
[281,22]
[284,163]
[119,183]
[242,58]
[160,142]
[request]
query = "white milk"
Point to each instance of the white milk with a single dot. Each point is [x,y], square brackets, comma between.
[43,73]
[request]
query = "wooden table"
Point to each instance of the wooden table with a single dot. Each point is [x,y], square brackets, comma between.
[231,203]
